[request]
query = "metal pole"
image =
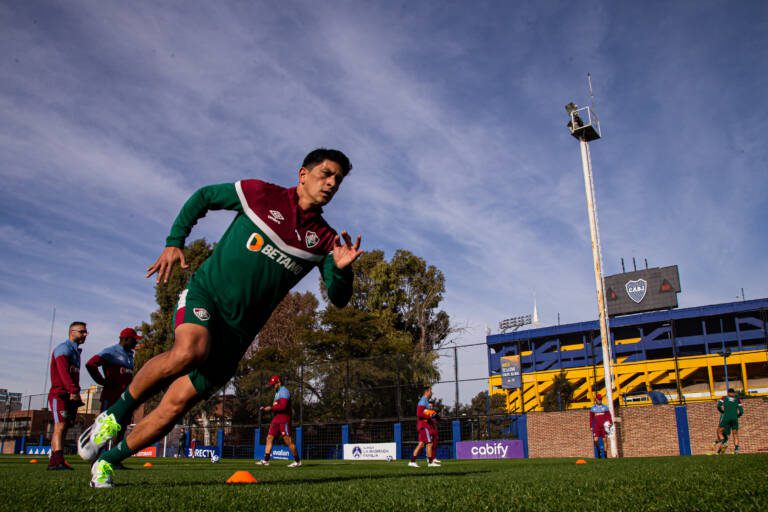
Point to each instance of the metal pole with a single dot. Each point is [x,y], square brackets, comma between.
[48,358]
[301,395]
[456,377]
[725,368]
[398,392]
[605,334]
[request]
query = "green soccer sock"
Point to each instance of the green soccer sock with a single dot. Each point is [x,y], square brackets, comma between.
[124,407]
[117,454]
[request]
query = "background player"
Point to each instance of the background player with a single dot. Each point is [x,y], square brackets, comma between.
[276,238]
[424,413]
[117,363]
[599,416]
[730,411]
[281,422]
[64,395]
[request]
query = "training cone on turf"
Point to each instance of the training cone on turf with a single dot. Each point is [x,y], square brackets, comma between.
[33,461]
[581,461]
[147,464]
[242,477]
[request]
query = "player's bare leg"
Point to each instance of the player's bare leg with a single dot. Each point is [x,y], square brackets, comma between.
[267,450]
[177,401]
[57,446]
[190,349]
[291,446]
[191,345]
[416,452]
[58,435]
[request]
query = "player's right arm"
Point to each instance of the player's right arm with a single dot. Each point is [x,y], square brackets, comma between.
[212,197]
[93,369]
[720,406]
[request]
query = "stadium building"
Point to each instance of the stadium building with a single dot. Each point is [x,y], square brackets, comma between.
[686,355]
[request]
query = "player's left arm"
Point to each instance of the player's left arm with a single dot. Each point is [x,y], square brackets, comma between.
[336,269]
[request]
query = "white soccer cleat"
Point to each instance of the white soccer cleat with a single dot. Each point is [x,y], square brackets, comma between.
[434,464]
[295,465]
[101,475]
[413,465]
[263,463]
[438,461]
[96,437]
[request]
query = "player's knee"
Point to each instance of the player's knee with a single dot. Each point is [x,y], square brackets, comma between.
[186,359]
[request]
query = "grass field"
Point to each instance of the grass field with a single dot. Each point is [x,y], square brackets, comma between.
[728,483]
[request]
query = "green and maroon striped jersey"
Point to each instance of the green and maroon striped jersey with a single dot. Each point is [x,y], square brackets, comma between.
[267,249]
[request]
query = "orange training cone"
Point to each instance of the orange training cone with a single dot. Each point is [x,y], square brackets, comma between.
[147,464]
[242,477]
[581,461]
[33,461]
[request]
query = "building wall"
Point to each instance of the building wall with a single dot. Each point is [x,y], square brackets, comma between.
[753,426]
[649,431]
[559,434]
[645,431]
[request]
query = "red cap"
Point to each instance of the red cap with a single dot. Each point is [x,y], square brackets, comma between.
[129,332]
[598,397]
[274,380]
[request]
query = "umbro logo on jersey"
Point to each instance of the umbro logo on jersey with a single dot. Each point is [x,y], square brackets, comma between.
[275,216]
[202,314]
[311,239]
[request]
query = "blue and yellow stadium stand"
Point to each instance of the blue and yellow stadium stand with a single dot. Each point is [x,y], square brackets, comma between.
[677,352]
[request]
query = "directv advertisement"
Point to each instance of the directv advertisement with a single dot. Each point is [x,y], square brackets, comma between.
[649,289]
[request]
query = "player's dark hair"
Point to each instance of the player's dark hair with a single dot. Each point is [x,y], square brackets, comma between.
[75,324]
[317,156]
[426,388]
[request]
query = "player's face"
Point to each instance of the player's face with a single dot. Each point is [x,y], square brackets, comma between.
[78,333]
[320,183]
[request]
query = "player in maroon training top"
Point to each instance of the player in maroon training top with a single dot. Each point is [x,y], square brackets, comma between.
[64,396]
[599,419]
[117,363]
[425,416]
[281,422]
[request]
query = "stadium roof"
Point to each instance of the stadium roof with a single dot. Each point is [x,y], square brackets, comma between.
[629,320]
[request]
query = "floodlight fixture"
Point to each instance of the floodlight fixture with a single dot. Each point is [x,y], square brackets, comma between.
[514,323]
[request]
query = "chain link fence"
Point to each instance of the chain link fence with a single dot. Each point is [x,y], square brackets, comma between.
[358,400]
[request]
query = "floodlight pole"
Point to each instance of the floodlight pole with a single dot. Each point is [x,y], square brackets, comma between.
[605,333]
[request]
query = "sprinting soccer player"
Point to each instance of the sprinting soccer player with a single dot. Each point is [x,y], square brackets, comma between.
[64,395]
[599,419]
[281,422]
[424,413]
[731,410]
[116,362]
[277,237]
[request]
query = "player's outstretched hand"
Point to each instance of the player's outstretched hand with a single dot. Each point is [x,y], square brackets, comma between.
[344,255]
[164,264]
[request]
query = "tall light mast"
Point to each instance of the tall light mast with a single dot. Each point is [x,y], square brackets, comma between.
[585,126]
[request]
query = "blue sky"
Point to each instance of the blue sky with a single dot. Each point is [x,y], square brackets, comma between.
[452,113]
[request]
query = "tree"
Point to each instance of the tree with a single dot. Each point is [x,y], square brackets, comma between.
[382,342]
[560,395]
